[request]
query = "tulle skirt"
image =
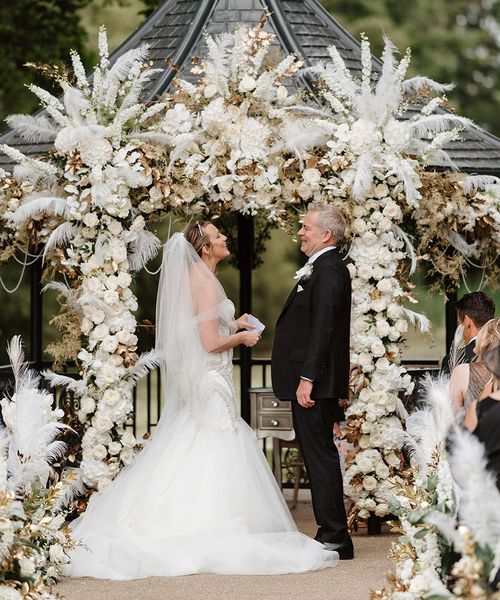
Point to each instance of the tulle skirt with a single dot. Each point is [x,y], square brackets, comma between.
[195,500]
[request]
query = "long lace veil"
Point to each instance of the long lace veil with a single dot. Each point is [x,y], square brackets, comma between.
[187,312]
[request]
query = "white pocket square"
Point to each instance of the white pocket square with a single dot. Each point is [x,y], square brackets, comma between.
[300,288]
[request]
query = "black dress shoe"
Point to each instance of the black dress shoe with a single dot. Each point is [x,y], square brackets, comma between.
[345,549]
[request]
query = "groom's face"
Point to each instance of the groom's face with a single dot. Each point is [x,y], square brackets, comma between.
[311,235]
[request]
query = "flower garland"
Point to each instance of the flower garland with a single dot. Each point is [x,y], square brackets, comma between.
[237,140]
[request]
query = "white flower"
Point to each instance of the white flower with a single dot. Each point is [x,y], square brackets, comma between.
[26,567]
[392,459]
[87,404]
[385,286]
[91,220]
[109,344]
[128,439]
[247,84]
[102,423]
[377,349]
[210,91]
[312,177]
[110,296]
[114,448]
[95,151]
[99,451]
[392,211]
[111,397]
[9,593]
[100,332]
[358,226]
[305,272]
[115,227]
[379,304]
[364,463]
[382,510]
[127,455]
[382,470]
[369,483]
[364,271]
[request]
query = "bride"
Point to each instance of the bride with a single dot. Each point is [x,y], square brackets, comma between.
[200,498]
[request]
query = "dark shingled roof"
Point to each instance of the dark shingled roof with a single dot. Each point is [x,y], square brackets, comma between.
[174,33]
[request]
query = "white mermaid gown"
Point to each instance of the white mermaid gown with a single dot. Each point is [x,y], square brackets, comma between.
[200,500]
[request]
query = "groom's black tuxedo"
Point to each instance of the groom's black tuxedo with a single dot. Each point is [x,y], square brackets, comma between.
[312,341]
[312,333]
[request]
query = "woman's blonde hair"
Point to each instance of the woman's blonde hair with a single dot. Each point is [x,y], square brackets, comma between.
[488,337]
[195,234]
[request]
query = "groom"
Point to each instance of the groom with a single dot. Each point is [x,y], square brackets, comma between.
[310,366]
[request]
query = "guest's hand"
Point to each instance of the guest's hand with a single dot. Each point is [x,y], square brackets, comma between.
[249,338]
[304,393]
[243,323]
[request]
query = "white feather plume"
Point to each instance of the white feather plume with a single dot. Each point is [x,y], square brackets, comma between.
[33,129]
[430,125]
[364,175]
[447,526]
[480,182]
[417,84]
[417,319]
[19,367]
[57,380]
[73,486]
[458,242]
[60,237]
[410,248]
[144,249]
[75,103]
[428,427]
[147,361]
[217,65]
[121,69]
[30,208]
[479,506]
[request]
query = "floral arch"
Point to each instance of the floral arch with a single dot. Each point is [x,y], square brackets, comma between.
[239,140]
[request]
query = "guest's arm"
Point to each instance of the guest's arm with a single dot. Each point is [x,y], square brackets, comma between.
[470,419]
[459,382]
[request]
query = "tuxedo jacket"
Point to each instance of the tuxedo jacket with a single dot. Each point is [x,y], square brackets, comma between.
[312,333]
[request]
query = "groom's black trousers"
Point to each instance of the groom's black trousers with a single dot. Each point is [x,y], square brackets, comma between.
[314,433]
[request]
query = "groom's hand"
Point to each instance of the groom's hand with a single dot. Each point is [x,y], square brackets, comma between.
[304,393]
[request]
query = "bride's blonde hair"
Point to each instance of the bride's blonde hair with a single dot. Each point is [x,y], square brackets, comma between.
[488,337]
[195,234]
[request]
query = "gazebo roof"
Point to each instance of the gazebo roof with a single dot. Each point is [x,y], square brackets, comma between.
[175,31]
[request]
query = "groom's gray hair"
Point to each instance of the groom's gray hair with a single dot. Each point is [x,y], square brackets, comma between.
[329,218]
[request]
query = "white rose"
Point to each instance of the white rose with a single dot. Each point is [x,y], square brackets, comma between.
[379,304]
[111,397]
[377,349]
[393,310]
[382,470]
[114,448]
[392,211]
[382,510]
[375,216]
[57,555]
[381,191]
[91,219]
[100,332]
[87,404]
[382,364]
[352,270]
[225,183]
[86,326]
[358,226]
[128,439]
[384,255]
[402,325]
[210,91]
[385,286]
[119,253]
[376,440]
[109,344]
[369,483]
[26,567]
[247,84]
[112,282]
[364,442]
[127,455]
[102,423]
[365,464]
[98,316]
[392,459]
[113,469]
[365,394]
[363,513]
[384,224]
[369,238]
[110,296]
[382,327]
[304,190]
[378,272]
[124,279]
[364,271]
[115,227]
[311,176]
[99,451]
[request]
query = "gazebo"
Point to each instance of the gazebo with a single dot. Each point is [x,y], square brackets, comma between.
[175,33]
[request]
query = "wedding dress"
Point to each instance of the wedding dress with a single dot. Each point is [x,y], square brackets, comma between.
[200,498]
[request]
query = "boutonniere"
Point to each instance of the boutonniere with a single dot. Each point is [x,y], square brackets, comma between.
[305,272]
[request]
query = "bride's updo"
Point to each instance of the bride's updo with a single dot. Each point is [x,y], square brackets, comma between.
[196,236]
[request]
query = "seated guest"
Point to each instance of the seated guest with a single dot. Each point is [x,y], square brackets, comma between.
[473,311]
[469,379]
[483,417]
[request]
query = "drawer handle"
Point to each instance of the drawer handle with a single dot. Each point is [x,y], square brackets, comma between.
[275,422]
[275,403]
